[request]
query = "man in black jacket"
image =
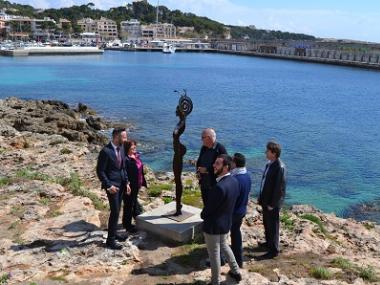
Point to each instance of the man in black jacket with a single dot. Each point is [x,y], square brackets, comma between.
[207,156]
[217,218]
[272,194]
[114,179]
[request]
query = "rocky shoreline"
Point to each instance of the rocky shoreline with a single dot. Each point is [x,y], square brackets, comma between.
[53,217]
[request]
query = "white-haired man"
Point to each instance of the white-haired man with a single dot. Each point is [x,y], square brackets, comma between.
[210,150]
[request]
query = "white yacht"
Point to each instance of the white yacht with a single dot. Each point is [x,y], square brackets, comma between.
[168,48]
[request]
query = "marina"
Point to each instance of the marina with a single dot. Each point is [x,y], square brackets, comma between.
[311,55]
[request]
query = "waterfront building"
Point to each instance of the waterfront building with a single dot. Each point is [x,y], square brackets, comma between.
[196,45]
[87,25]
[89,38]
[4,15]
[2,24]
[2,29]
[107,29]
[183,31]
[158,31]
[130,30]
[164,30]
[227,33]
[232,45]
[18,27]
[43,29]
[147,32]
[64,24]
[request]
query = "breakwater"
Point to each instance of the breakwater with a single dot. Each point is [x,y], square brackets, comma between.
[347,61]
[363,55]
[52,51]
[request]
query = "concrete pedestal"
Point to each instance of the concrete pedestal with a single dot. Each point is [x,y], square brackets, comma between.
[158,222]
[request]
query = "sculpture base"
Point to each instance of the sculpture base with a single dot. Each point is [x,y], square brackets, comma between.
[160,221]
[180,218]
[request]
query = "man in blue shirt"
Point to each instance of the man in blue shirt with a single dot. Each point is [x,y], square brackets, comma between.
[240,173]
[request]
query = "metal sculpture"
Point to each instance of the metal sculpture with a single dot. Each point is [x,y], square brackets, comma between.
[184,108]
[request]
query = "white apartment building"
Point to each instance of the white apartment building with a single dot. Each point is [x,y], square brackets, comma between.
[130,30]
[43,28]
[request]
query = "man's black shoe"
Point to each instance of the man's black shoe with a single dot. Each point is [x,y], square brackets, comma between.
[114,245]
[268,255]
[131,229]
[121,238]
[236,276]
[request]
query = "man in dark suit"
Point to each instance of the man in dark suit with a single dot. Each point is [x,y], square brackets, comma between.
[272,194]
[114,179]
[217,218]
[207,156]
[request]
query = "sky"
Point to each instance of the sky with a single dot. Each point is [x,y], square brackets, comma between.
[343,19]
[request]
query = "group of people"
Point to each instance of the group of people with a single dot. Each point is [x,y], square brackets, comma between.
[121,173]
[225,187]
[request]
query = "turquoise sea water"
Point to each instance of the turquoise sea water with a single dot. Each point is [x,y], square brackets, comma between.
[327,118]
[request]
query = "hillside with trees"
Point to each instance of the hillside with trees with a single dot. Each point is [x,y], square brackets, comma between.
[146,13]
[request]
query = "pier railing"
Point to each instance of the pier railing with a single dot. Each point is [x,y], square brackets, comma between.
[355,58]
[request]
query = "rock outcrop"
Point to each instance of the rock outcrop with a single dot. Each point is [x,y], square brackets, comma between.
[53,117]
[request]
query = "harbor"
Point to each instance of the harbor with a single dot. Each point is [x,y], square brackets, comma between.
[321,57]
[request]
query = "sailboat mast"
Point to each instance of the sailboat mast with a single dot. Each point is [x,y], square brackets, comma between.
[158,4]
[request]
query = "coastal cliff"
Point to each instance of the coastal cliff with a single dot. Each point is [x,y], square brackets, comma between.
[53,217]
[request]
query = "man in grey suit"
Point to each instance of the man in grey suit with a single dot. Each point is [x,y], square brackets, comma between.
[217,218]
[114,179]
[272,194]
